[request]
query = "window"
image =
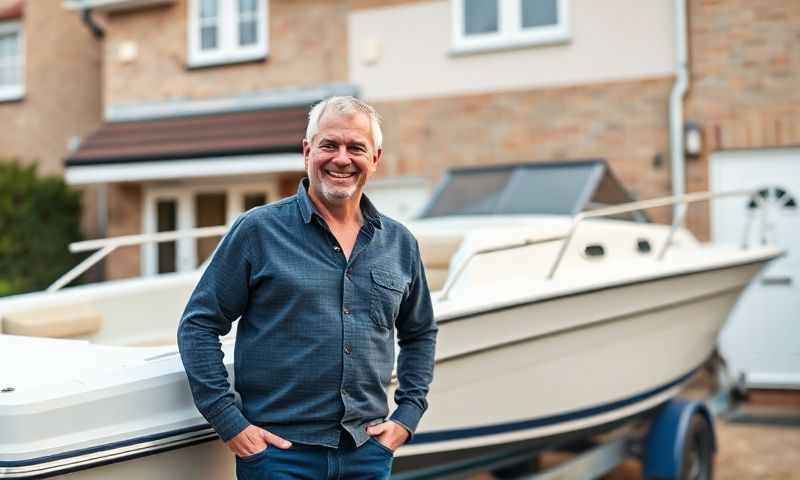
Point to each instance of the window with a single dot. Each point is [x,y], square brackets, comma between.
[12,61]
[480,25]
[227,31]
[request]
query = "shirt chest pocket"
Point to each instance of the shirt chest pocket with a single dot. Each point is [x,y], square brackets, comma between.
[385,296]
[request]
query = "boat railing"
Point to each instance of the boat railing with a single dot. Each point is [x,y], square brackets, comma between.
[682,201]
[105,246]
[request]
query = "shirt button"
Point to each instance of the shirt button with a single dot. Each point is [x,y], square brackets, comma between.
[336,248]
[348,349]
[349,273]
[344,392]
[346,311]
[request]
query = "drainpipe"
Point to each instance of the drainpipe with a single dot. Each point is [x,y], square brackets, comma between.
[88,20]
[679,90]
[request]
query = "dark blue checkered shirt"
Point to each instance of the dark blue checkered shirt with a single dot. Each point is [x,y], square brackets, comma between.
[315,345]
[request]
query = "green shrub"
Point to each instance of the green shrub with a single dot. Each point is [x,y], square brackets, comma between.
[39,218]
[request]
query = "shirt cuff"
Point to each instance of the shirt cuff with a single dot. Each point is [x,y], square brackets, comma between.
[229,422]
[408,416]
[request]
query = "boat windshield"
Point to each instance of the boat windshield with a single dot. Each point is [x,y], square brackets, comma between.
[563,188]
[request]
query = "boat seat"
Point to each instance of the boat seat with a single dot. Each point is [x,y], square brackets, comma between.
[436,252]
[58,321]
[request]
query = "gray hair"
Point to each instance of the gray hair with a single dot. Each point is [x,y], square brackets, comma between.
[345,106]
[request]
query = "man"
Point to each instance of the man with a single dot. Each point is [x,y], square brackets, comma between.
[321,280]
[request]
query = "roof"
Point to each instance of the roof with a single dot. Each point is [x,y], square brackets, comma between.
[13,12]
[213,135]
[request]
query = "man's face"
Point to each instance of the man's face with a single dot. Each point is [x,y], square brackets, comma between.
[341,157]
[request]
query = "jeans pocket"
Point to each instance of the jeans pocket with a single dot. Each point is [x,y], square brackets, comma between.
[254,457]
[383,447]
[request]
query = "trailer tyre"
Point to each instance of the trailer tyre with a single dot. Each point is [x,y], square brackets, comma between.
[698,451]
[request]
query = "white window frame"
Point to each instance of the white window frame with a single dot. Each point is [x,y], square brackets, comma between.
[186,251]
[510,33]
[15,92]
[228,49]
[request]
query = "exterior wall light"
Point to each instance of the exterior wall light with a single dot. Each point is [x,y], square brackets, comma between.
[692,139]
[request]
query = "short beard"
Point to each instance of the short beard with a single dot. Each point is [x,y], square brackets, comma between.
[337,196]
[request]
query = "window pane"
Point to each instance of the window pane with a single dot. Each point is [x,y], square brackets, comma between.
[208,8]
[248,32]
[208,38]
[248,6]
[8,45]
[539,13]
[480,16]
[209,212]
[166,221]
[252,200]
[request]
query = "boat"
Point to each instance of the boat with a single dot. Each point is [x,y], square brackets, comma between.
[563,312]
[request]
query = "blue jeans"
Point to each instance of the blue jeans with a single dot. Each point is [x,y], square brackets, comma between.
[371,461]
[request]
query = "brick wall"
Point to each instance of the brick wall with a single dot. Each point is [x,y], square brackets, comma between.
[745,83]
[624,122]
[62,83]
[307,43]
[124,218]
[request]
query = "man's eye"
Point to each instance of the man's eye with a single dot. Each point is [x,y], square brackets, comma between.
[327,146]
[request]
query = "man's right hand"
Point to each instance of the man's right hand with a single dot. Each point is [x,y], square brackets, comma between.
[253,440]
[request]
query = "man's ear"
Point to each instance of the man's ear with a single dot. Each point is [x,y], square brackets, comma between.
[376,159]
[306,152]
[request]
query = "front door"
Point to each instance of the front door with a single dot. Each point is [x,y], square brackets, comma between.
[763,332]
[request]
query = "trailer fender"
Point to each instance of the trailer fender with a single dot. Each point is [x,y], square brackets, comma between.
[667,435]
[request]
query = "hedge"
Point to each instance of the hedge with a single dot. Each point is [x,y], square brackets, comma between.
[39,218]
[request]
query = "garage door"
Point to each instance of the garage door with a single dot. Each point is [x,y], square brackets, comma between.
[762,338]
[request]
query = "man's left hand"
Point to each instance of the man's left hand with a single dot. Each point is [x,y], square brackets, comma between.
[390,434]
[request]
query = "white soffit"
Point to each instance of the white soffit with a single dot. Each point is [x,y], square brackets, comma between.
[175,169]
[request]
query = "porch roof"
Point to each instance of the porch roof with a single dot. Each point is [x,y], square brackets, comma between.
[217,135]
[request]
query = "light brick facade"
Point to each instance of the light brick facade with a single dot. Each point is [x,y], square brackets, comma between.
[305,50]
[62,87]
[745,85]
[623,122]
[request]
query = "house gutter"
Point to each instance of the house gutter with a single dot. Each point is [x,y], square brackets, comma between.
[679,90]
[88,20]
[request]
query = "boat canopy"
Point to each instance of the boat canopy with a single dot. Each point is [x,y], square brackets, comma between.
[556,188]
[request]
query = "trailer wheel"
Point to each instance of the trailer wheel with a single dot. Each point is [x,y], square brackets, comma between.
[517,470]
[698,451]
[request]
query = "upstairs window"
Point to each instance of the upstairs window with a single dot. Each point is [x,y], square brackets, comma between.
[227,31]
[481,25]
[12,61]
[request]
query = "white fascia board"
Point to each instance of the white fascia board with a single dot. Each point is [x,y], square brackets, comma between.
[112,5]
[174,169]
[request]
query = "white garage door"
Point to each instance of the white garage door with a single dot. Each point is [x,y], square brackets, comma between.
[762,338]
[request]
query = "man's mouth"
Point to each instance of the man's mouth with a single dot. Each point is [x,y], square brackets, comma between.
[335,174]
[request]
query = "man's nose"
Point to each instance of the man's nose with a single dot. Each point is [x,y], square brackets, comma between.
[341,157]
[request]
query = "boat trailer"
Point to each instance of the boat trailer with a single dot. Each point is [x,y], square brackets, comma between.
[677,443]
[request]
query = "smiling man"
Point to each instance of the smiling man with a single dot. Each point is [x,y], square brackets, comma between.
[322,282]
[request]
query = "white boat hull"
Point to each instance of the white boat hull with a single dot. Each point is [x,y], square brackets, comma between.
[530,373]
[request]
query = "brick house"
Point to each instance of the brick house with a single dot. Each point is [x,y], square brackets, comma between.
[50,82]
[203,101]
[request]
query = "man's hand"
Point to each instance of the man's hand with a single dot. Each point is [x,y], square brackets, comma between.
[253,440]
[390,434]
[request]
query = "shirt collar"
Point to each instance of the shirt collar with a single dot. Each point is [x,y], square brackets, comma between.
[308,209]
